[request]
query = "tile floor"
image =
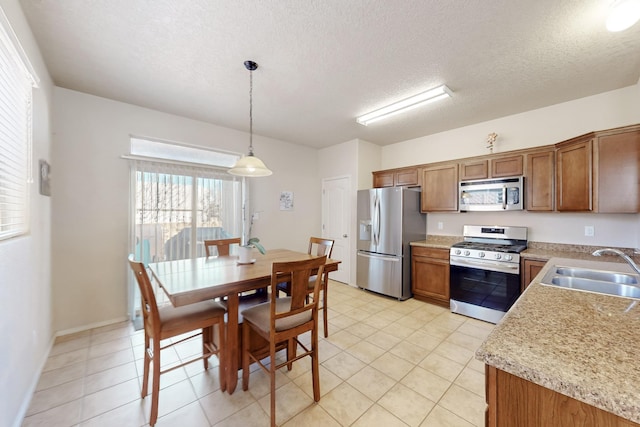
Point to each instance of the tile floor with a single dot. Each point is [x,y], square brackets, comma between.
[385,363]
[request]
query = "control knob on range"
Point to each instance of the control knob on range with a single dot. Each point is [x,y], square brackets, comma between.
[498,256]
[467,253]
[457,251]
[508,257]
[481,254]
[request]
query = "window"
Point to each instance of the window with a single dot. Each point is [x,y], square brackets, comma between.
[16,84]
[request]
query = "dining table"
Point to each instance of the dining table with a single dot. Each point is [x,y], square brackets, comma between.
[187,281]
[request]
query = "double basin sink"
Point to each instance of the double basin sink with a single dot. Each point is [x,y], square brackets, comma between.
[599,281]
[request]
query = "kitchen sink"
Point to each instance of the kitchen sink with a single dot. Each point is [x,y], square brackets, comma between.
[598,281]
[605,276]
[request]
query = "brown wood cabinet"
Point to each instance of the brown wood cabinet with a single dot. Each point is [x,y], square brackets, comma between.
[396,177]
[539,180]
[496,166]
[595,172]
[574,160]
[513,401]
[440,188]
[616,166]
[600,172]
[430,275]
[475,169]
[383,179]
[529,269]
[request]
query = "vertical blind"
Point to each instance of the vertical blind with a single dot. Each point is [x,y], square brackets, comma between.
[16,85]
[177,207]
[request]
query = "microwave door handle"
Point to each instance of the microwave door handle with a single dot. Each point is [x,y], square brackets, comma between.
[504,198]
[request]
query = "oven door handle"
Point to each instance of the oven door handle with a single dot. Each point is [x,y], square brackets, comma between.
[486,265]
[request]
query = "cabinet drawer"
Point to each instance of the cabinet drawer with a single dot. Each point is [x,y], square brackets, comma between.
[430,252]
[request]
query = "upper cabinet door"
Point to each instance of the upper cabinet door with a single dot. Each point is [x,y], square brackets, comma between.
[506,166]
[616,178]
[539,180]
[476,169]
[573,176]
[440,188]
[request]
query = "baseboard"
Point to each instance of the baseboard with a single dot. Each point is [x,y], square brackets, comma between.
[90,326]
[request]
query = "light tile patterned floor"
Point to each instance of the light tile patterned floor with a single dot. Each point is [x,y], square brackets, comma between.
[385,363]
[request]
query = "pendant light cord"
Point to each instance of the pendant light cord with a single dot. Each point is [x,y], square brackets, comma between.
[251,112]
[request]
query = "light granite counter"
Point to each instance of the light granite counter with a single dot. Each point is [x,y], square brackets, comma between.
[438,242]
[580,344]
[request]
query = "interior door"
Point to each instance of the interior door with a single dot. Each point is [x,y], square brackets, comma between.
[336,214]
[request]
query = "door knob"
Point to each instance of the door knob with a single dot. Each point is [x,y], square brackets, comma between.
[345,236]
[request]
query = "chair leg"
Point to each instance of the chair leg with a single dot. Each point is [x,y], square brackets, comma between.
[207,338]
[315,369]
[246,338]
[272,380]
[155,393]
[147,361]
[222,360]
[292,345]
[324,309]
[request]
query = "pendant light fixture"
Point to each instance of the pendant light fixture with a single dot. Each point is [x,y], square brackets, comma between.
[250,165]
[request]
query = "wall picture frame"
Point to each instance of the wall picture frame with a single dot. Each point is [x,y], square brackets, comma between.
[286,200]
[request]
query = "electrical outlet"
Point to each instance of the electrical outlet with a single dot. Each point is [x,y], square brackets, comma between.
[589,230]
[440,225]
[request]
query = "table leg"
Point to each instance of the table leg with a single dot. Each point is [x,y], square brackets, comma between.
[232,342]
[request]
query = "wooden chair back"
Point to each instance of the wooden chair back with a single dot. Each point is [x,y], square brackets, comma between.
[298,273]
[223,245]
[149,306]
[319,246]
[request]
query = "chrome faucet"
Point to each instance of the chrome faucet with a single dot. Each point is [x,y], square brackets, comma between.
[624,256]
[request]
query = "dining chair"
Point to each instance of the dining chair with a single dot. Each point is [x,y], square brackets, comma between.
[282,320]
[318,246]
[223,245]
[167,322]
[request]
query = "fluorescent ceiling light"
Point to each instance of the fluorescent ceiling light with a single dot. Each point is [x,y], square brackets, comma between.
[423,98]
[624,14]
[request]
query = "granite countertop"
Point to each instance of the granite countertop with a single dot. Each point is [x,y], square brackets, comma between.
[438,242]
[580,344]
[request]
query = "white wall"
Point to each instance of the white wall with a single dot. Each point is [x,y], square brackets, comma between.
[91,198]
[534,128]
[25,284]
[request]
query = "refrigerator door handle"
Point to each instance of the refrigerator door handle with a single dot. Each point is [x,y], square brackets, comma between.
[383,257]
[375,215]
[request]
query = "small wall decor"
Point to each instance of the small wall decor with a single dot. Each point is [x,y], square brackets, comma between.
[286,200]
[491,138]
[45,170]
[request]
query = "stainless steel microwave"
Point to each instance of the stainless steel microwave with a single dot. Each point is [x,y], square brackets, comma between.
[496,194]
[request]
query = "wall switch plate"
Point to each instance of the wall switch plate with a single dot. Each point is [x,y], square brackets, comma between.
[440,225]
[589,230]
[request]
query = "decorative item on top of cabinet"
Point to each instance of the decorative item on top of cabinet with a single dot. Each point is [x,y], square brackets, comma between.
[539,180]
[530,269]
[396,177]
[440,188]
[430,275]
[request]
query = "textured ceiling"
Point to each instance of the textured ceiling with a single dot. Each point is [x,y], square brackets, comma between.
[324,62]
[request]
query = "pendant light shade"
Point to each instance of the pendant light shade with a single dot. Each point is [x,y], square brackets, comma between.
[250,165]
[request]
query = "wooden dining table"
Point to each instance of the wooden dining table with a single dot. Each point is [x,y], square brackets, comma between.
[188,281]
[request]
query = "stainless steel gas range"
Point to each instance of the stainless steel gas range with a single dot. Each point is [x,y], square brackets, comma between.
[485,271]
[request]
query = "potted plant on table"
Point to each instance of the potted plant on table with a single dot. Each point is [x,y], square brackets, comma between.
[244,252]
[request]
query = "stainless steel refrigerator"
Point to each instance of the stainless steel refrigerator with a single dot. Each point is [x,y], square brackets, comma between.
[388,219]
